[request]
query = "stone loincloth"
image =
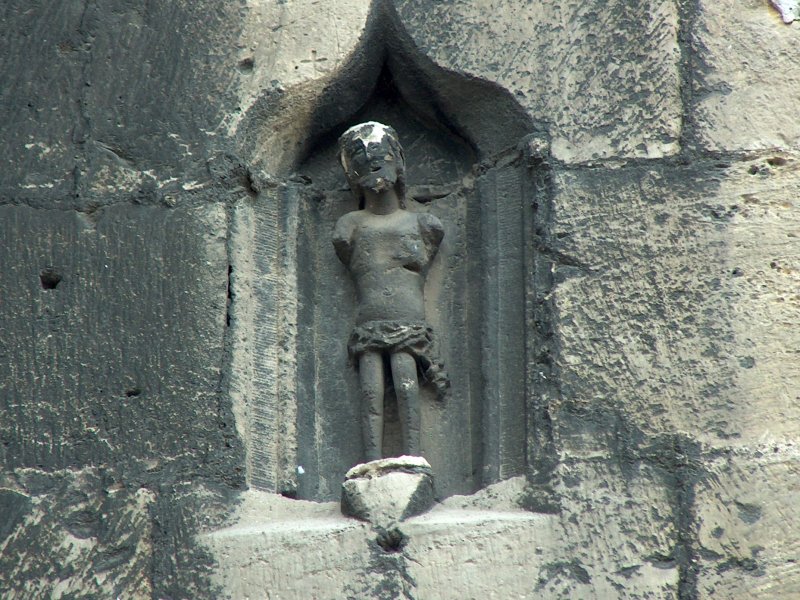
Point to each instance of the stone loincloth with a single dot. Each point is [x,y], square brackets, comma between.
[397,336]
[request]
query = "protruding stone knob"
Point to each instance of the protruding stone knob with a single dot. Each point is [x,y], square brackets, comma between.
[389,490]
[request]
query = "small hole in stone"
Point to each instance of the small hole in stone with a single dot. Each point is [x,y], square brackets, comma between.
[392,540]
[133,392]
[753,170]
[49,278]
[776,161]
[247,64]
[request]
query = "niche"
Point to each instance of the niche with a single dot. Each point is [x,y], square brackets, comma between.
[465,147]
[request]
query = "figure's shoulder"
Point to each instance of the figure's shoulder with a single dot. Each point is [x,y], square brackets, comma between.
[343,236]
[428,221]
[349,218]
[431,229]
[348,221]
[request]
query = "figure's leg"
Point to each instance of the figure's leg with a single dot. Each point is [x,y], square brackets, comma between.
[370,369]
[406,387]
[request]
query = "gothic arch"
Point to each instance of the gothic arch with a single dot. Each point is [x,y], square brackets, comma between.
[469,163]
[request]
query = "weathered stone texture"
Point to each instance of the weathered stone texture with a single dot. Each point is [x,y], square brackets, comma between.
[478,547]
[280,548]
[286,44]
[113,96]
[109,393]
[73,540]
[677,313]
[603,76]
[746,77]
[616,533]
[748,524]
[676,300]
[112,364]
[137,136]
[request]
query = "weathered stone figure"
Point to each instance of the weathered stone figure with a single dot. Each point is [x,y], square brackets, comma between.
[387,250]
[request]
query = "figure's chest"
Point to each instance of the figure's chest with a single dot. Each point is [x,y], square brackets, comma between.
[379,242]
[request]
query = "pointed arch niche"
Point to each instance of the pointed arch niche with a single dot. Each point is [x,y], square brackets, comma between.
[293,306]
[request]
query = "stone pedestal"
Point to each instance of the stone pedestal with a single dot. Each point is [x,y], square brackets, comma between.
[386,491]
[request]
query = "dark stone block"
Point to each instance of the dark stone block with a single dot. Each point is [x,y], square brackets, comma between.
[113,331]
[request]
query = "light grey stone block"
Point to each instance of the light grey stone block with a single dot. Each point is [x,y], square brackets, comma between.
[747,76]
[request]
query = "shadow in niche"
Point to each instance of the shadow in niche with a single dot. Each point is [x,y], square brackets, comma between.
[303,402]
[437,162]
[478,435]
[435,157]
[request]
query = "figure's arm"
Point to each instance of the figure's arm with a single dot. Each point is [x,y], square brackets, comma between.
[342,239]
[432,233]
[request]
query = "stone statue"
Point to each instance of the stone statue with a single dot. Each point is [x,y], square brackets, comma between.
[387,250]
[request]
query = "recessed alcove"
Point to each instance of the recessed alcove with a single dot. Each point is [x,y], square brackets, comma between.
[439,164]
[295,388]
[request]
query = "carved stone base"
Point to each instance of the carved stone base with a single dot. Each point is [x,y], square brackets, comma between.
[389,490]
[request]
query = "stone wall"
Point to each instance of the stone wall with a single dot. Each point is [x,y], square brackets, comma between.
[152,203]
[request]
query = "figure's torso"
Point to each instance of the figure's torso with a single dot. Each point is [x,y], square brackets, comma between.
[387,262]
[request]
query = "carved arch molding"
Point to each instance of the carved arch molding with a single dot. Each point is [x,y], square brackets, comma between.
[477,162]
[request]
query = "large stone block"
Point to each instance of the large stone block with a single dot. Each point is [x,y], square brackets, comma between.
[112,336]
[478,554]
[676,301]
[41,71]
[297,549]
[114,95]
[280,548]
[618,531]
[621,101]
[303,45]
[746,77]
[615,538]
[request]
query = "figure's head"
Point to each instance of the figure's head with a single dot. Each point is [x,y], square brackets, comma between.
[372,159]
